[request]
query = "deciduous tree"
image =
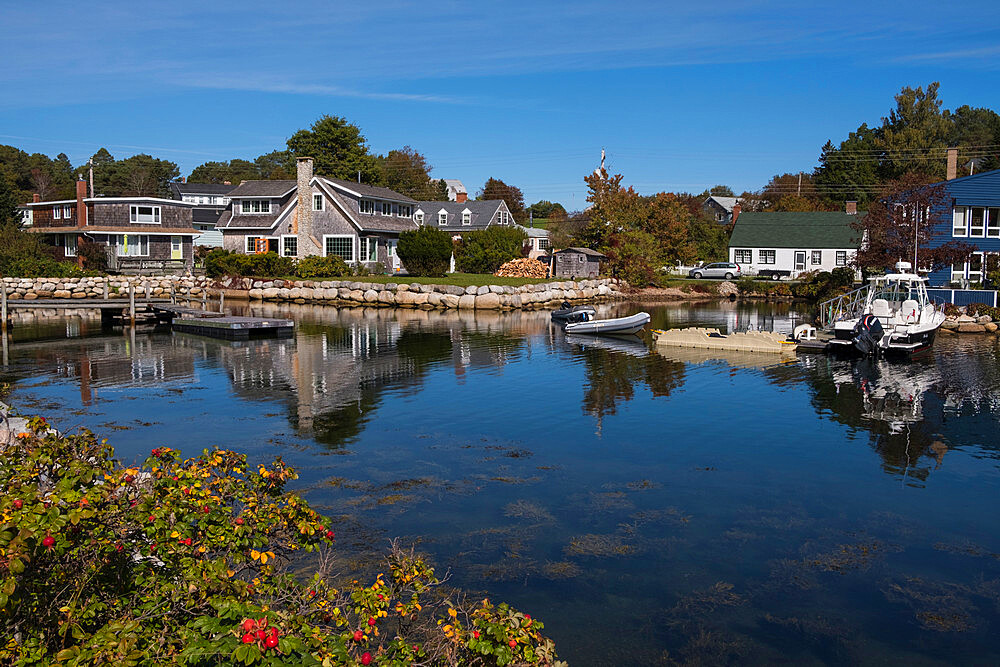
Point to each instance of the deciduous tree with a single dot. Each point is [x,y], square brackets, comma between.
[338,149]
[406,171]
[494,188]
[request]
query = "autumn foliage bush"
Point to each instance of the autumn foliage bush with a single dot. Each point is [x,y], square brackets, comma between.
[190,561]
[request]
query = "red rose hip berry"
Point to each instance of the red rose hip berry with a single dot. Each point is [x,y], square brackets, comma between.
[48,541]
[248,638]
[366,658]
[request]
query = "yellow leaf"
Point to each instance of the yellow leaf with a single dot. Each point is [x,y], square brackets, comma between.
[254,554]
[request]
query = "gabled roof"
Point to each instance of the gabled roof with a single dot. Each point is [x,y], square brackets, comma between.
[363,190]
[535,232]
[482,212]
[262,189]
[456,184]
[202,188]
[725,202]
[583,251]
[801,231]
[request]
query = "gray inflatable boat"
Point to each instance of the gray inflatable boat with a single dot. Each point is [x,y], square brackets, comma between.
[632,324]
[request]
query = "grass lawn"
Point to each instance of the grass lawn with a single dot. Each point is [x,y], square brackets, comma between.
[460,279]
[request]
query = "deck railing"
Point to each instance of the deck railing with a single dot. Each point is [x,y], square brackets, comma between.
[843,307]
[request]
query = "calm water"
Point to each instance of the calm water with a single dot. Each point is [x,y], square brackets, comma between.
[648,507]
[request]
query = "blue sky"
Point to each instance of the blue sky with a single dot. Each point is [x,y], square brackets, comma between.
[682,95]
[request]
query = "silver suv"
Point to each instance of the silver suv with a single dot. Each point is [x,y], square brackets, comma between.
[726,270]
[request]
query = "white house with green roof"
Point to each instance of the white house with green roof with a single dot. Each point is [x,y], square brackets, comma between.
[793,243]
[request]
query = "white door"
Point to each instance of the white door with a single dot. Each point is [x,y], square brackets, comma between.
[800,260]
[390,247]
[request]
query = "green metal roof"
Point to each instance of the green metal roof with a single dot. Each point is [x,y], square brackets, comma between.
[804,231]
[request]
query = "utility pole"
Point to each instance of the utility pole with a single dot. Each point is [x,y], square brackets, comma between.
[799,191]
[91,177]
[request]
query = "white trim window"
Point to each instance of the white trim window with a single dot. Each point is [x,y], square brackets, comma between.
[977,223]
[466,217]
[258,245]
[341,245]
[318,202]
[255,206]
[976,267]
[959,228]
[366,206]
[743,256]
[543,243]
[386,208]
[442,217]
[143,214]
[67,211]
[57,212]
[69,245]
[369,248]
[418,217]
[993,223]
[841,258]
[131,245]
[817,257]
[290,245]
[958,272]
[766,256]
[405,211]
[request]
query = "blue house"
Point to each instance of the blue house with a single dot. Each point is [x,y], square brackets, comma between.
[974,218]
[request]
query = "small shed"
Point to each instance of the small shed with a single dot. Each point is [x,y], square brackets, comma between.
[577,263]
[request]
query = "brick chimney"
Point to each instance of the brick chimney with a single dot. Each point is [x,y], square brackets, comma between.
[81,207]
[851,207]
[736,212]
[35,198]
[952,163]
[303,209]
[461,197]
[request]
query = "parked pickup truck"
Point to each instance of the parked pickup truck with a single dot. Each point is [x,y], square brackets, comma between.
[774,274]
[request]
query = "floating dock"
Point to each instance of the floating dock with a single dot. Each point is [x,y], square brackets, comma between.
[220,325]
[712,339]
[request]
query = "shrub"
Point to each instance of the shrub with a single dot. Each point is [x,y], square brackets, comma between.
[980,309]
[824,284]
[746,285]
[316,266]
[95,255]
[425,251]
[221,262]
[951,310]
[486,250]
[191,561]
[24,255]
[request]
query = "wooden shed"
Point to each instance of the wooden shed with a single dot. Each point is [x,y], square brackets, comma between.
[577,263]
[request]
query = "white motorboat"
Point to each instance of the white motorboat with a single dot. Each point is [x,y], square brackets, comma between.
[632,324]
[893,314]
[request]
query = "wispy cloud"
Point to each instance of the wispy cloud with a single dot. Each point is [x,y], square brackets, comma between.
[252,83]
[941,57]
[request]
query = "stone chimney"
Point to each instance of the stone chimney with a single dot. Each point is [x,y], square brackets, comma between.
[226,183]
[736,212]
[35,198]
[303,209]
[952,163]
[461,197]
[851,207]
[81,207]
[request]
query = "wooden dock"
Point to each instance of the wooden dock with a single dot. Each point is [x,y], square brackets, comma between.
[221,325]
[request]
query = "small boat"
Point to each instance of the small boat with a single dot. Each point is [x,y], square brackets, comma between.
[570,313]
[632,324]
[896,315]
[635,347]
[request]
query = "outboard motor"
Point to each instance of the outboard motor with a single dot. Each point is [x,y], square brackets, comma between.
[867,334]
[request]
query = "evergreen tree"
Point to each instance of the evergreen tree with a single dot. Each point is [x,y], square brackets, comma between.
[338,149]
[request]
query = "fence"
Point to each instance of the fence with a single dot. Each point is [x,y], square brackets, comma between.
[963,297]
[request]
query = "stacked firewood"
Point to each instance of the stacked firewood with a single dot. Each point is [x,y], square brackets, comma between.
[523,268]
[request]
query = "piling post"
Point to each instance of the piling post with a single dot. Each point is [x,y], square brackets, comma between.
[173,295]
[131,304]
[222,302]
[105,289]
[3,309]
[204,299]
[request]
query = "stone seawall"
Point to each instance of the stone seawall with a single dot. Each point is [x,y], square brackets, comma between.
[111,287]
[416,295]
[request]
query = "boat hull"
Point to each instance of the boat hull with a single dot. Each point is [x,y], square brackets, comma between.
[632,324]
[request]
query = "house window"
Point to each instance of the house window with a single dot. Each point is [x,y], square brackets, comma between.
[405,211]
[957,273]
[817,257]
[369,249]
[977,221]
[976,267]
[993,223]
[466,217]
[341,246]
[841,258]
[442,217]
[317,202]
[144,215]
[69,245]
[67,211]
[367,206]
[743,256]
[543,244]
[255,206]
[131,245]
[419,217]
[959,228]
[56,212]
[252,243]
[386,208]
[766,256]
[290,246]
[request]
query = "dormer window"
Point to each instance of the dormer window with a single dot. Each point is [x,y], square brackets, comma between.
[405,211]
[418,217]
[386,208]
[442,217]
[466,217]
[318,202]
[255,206]
[367,207]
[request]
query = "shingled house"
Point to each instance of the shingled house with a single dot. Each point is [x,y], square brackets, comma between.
[457,217]
[210,200]
[141,232]
[317,215]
